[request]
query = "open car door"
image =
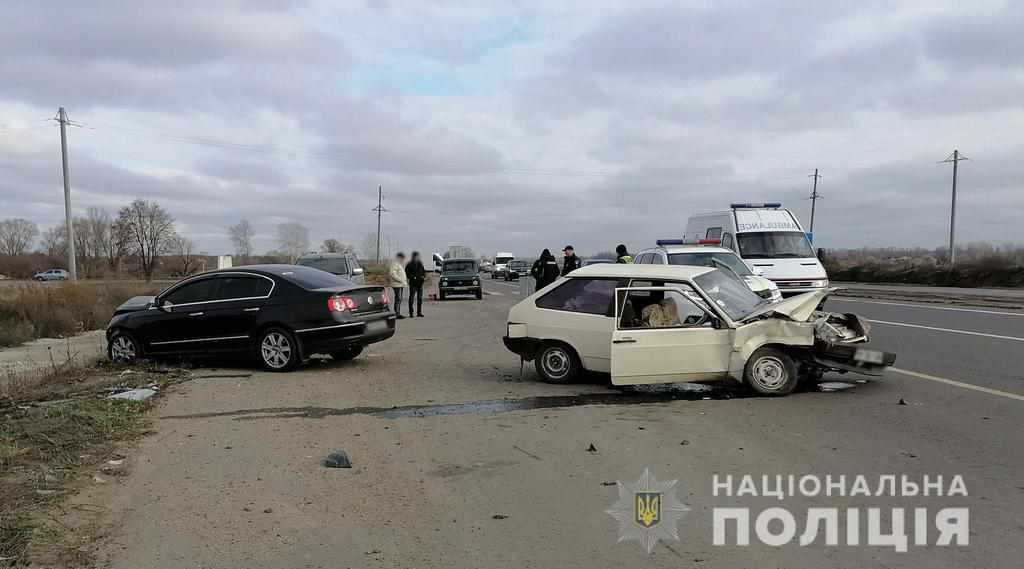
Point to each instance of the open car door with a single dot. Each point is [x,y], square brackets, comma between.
[662,336]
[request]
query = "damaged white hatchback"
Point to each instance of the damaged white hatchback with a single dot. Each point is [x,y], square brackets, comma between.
[648,324]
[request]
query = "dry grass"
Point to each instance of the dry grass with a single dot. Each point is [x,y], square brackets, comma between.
[61,426]
[57,310]
[978,265]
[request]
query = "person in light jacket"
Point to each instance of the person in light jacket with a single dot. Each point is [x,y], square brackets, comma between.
[398,281]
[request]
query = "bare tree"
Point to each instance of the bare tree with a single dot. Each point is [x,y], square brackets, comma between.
[368,246]
[292,239]
[97,223]
[241,237]
[16,236]
[150,230]
[117,246]
[83,246]
[335,246]
[55,241]
[184,248]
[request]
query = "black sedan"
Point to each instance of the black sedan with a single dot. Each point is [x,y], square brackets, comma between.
[279,314]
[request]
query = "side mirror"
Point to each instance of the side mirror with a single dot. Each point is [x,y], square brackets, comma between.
[759,271]
[821,254]
[165,305]
[357,271]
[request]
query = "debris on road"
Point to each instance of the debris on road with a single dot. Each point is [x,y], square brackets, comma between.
[499,517]
[337,459]
[901,402]
[591,448]
[134,394]
[609,483]
[831,386]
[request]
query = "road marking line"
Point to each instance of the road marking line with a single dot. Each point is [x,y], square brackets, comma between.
[970,386]
[845,299]
[495,293]
[996,336]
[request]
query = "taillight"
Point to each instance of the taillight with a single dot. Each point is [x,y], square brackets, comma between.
[340,304]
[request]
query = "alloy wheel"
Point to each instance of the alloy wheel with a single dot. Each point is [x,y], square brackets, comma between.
[276,350]
[122,349]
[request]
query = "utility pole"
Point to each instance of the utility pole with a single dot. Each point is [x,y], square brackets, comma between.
[62,118]
[954,158]
[814,198]
[379,209]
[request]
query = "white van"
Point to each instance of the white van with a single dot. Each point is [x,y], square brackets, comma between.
[769,239]
[501,259]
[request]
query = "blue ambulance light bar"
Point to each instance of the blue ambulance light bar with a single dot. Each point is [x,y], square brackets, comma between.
[754,205]
[663,242]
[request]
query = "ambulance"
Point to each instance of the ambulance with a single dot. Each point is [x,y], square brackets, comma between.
[770,241]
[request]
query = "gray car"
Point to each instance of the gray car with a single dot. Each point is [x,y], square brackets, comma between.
[51,275]
[344,265]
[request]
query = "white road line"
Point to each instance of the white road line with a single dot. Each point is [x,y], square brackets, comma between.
[996,336]
[495,293]
[844,299]
[959,384]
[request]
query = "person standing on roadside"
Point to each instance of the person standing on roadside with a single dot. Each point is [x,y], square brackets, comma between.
[416,276]
[544,269]
[398,281]
[622,254]
[571,262]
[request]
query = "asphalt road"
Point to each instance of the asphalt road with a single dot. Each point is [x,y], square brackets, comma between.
[460,461]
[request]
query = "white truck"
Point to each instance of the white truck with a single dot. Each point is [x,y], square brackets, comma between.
[501,259]
[769,239]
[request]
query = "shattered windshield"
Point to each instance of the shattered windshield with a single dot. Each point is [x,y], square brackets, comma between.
[730,294]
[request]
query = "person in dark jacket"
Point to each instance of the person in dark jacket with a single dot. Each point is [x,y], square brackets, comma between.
[571,262]
[416,275]
[545,269]
[623,255]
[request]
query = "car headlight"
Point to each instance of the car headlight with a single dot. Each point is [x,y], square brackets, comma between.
[476,281]
[820,284]
[444,281]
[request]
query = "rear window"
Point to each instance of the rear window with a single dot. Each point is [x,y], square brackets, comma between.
[336,265]
[310,278]
[590,296]
[708,260]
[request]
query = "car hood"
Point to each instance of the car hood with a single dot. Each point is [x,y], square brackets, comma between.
[135,304]
[802,306]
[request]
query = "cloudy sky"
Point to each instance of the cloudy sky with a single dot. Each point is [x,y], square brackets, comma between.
[518,125]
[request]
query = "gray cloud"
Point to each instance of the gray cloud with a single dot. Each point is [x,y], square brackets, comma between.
[517,127]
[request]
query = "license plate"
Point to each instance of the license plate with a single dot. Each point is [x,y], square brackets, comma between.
[376,326]
[457,288]
[869,356]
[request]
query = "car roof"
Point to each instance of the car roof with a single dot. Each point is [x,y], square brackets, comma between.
[323,255]
[460,259]
[628,270]
[670,249]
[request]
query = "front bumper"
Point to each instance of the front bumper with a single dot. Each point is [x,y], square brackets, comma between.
[333,338]
[468,289]
[851,358]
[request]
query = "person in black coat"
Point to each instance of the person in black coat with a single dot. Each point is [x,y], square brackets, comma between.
[544,270]
[571,262]
[416,275]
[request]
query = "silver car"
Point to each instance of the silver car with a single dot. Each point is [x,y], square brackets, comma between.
[51,275]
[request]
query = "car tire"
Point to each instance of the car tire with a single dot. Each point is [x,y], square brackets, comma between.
[277,350]
[771,371]
[123,347]
[557,363]
[479,295]
[349,353]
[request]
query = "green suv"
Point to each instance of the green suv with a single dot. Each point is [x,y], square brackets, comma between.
[460,276]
